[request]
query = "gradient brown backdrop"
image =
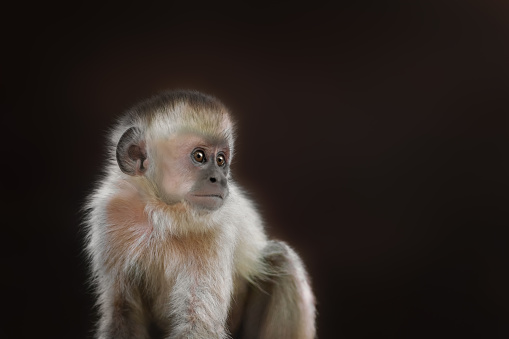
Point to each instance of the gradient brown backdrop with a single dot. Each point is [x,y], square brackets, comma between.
[373,136]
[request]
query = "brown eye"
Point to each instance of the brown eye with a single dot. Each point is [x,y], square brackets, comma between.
[198,156]
[220,160]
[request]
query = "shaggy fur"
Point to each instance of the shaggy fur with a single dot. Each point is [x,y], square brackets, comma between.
[192,273]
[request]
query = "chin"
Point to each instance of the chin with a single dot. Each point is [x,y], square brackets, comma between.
[207,203]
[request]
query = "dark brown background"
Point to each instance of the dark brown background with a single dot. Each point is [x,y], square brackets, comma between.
[373,136]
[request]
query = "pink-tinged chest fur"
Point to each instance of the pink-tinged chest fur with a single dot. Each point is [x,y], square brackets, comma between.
[128,226]
[126,211]
[134,240]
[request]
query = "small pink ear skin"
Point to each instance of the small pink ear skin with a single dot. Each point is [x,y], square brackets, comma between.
[141,167]
[138,167]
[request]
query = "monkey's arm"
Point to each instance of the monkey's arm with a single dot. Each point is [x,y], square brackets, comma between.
[281,305]
[121,313]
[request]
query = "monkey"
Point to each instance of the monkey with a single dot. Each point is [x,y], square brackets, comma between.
[176,248]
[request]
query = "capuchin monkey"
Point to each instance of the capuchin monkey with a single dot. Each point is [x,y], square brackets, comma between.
[176,248]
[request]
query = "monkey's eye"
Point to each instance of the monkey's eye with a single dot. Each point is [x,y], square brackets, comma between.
[199,156]
[220,160]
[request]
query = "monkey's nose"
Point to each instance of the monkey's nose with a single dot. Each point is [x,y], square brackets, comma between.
[212,179]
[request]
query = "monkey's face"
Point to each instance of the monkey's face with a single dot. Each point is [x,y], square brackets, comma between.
[193,168]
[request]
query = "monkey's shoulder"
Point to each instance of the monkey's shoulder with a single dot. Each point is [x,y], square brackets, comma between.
[126,206]
[250,234]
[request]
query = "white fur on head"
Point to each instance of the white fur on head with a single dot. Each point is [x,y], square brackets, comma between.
[177,111]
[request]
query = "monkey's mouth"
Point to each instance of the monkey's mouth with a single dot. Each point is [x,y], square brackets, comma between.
[209,202]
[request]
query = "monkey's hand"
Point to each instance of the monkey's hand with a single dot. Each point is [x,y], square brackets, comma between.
[281,305]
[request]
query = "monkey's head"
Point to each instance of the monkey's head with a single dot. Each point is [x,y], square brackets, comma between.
[181,143]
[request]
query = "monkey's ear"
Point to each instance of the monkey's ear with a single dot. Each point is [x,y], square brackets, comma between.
[132,153]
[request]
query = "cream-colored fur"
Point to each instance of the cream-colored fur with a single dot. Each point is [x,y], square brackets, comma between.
[184,269]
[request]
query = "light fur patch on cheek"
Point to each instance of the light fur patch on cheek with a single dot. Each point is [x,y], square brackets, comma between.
[170,174]
[177,179]
[178,173]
